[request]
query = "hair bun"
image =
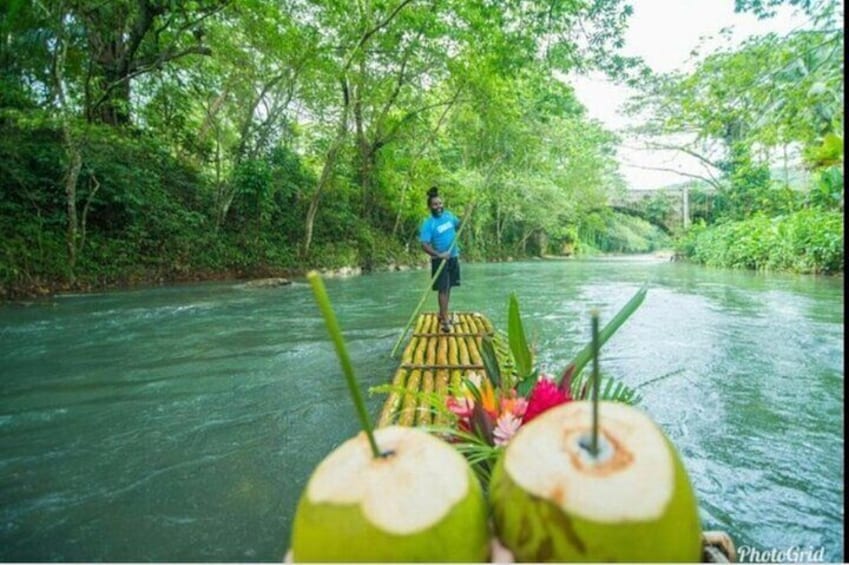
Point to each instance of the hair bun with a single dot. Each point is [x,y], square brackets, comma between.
[433,191]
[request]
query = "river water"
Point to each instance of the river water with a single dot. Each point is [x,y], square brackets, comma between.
[181,423]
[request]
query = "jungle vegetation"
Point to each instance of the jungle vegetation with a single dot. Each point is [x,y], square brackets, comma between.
[151,140]
[742,111]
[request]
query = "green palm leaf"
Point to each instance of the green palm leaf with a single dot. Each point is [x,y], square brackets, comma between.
[585,355]
[516,336]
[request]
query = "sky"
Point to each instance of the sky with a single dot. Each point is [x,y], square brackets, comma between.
[663,33]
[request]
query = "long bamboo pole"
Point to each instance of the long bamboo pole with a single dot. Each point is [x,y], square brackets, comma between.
[432,280]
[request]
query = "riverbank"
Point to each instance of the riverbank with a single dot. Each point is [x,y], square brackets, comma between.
[38,288]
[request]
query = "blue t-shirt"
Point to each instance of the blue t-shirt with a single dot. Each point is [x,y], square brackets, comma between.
[439,232]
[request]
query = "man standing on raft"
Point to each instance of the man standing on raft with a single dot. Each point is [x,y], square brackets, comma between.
[437,236]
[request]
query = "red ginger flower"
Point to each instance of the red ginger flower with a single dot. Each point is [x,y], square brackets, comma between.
[544,395]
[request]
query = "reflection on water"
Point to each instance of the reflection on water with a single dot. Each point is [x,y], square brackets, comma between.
[181,423]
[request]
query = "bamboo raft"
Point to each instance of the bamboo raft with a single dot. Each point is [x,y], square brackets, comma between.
[434,363]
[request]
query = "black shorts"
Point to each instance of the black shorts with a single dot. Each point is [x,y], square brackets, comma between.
[450,275]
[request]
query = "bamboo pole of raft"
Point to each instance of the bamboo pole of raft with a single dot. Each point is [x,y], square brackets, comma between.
[418,356]
[423,417]
[408,408]
[456,380]
[423,411]
[474,354]
[464,352]
[393,401]
[454,359]
[440,418]
[431,351]
[442,350]
[441,377]
[407,356]
[480,330]
[428,323]
[453,355]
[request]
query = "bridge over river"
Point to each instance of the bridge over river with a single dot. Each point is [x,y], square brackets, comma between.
[679,207]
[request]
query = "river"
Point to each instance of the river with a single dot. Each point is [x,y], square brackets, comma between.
[180,423]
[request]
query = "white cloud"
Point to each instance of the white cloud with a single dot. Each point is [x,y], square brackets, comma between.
[664,33]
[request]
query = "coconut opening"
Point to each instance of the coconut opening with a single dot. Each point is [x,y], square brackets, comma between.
[604,450]
[610,486]
[415,482]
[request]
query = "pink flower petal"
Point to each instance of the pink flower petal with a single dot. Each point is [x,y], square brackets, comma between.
[505,428]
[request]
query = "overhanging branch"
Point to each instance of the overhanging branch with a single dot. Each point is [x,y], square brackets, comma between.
[713,182]
[142,68]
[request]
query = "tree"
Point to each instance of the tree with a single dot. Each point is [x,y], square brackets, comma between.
[244,130]
[739,106]
[126,39]
[404,53]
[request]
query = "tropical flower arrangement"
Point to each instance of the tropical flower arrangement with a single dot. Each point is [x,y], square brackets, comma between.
[495,415]
[486,412]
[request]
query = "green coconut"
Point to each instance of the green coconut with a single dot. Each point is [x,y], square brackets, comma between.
[419,502]
[554,501]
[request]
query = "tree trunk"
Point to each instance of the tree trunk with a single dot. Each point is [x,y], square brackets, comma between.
[75,163]
[110,54]
[523,243]
[367,157]
[225,192]
[114,110]
[94,186]
[362,143]
[327,170]
[72,149]
[115,34]
[397,225]
[498,227]
[323,181]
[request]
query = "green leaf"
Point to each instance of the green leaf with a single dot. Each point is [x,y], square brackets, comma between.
[610,389]
[490,361]
[516,336]
[583,357]
[525,385]
[474,390]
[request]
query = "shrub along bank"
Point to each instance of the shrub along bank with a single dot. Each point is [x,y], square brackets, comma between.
[806,241]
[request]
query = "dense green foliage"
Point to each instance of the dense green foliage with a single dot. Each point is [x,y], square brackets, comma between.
[808,241]
[612,232]
[745,114]
[147,140]
[144,141]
